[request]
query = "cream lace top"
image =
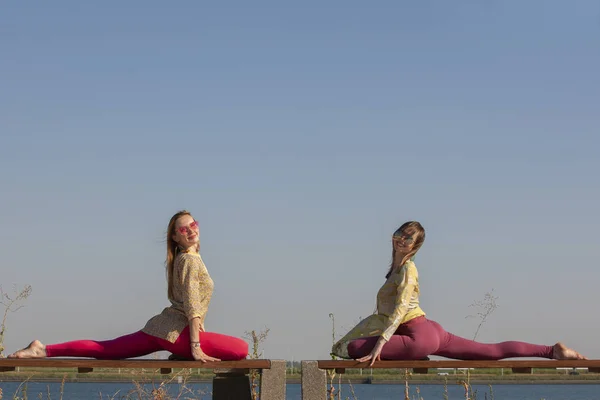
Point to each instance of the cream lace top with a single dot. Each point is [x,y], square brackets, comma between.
[192,290]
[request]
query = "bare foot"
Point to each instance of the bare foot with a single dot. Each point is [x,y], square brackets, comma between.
[35,350]
[562,352]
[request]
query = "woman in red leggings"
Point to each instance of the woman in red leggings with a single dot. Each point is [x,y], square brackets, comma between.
[399,329]
[179,328]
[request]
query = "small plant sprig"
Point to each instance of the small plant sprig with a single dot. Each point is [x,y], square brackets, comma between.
[484,308]
[11,304]
[406,386]
[256,339]
[446,388]
[22,390]
[331,372]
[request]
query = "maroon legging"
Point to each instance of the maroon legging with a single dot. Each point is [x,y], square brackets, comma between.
[226,348]
[420,337]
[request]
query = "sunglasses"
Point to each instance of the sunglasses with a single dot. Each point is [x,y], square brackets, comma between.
[408,239]
[191,227]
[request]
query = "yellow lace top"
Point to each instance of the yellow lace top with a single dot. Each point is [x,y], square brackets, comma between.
[192,290]
[397,302]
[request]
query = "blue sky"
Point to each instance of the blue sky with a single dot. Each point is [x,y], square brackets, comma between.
[301,136]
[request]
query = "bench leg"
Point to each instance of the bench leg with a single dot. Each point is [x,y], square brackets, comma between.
[272,381]
[231,386]
[314,381]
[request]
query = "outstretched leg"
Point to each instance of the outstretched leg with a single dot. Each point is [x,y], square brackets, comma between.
[133,345]
[464,349]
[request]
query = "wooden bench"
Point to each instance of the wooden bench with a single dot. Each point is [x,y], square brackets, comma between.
[231,379]
[314,373]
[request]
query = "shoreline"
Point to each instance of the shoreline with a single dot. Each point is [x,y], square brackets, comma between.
[297,380]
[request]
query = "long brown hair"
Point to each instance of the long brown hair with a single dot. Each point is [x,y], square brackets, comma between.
[410,228]
[172,249]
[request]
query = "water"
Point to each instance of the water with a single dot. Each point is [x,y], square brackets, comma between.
[97,390]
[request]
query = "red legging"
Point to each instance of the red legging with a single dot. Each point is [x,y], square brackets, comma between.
[226,348]
[420,337]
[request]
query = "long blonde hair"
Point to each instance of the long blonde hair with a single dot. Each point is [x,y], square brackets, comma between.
[172,249]
[412,228]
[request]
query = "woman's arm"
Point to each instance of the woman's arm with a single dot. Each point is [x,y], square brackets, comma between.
[198,288]
[405,290]
[197,353]
[195,329]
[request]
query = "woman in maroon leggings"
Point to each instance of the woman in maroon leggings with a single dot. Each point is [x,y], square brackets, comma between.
[179,329]
[399,329]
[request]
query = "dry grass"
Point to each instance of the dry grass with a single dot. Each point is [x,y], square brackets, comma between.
[11,303]
[256,339]
[141,390]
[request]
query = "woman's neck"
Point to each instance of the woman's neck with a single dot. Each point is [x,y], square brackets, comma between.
[398,259]
[191,249]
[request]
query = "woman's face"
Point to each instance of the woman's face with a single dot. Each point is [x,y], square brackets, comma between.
[405,242]
[187,232]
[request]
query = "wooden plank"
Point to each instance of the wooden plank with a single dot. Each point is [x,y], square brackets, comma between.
[130,363]
[166,371]
[84,370]
[6,369]
[333,364]
[420,370]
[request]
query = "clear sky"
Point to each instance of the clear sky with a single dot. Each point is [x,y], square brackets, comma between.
[301,136]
